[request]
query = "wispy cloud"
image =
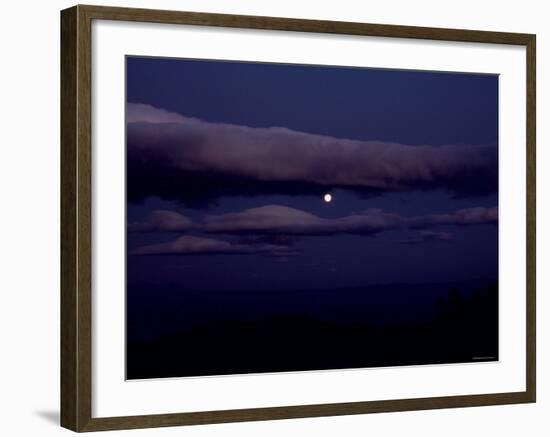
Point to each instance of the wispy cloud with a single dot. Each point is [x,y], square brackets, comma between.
[277,221]
[162,220]
[427,236]
[462,217]
[193,245]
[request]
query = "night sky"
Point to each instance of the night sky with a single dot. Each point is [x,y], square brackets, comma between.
[228,164]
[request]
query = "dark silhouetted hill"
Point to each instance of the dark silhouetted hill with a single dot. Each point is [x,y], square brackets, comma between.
[462,328]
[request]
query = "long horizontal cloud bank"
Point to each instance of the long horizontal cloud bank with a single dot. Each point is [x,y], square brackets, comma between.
[282,220]
[426,236]
[173,156]
[192,245]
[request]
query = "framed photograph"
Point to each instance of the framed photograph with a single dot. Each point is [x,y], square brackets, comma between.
[268,218]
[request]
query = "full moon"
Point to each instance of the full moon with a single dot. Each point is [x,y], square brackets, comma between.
[328,198]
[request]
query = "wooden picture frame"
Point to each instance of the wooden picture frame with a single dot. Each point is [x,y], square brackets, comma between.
[76,218]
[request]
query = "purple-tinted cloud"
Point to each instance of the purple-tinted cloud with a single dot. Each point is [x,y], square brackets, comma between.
[193,245]
[138,112]
[467,216]
[184,150]
[426,236]
[278,219]
[162,220]
[276,239]
[275,223]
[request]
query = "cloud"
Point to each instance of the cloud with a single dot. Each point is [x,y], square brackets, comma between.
[276,239]
[464,217]
[183,158]
[272,229]
[193,245]
[426,236]
[277,225]
[139,112]
[276,219]
[162,220]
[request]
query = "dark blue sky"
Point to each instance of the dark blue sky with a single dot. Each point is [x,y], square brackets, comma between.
[367,104]
[406,107]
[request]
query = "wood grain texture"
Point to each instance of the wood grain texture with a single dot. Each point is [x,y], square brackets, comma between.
[300,25]
[531,207]
[84,218]
[69,371]
[303,411]
[76,218]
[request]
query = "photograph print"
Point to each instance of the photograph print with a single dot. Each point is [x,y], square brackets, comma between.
[285,217]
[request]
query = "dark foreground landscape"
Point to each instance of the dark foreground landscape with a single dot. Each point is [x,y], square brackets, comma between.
[458,323]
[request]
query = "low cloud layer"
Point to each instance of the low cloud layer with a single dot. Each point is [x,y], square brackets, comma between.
[276,219]
[162,220]
[427,236]
[177,157]
[279,221]
[462,217]
[271,229]
[193,245]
